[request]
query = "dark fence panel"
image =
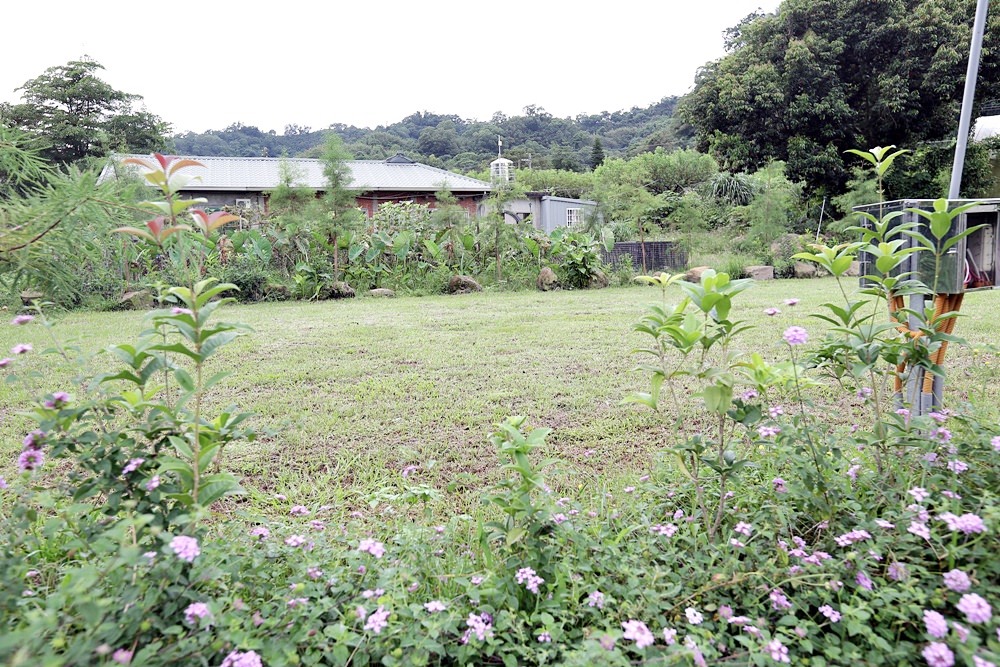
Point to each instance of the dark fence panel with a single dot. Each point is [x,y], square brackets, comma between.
[659,255]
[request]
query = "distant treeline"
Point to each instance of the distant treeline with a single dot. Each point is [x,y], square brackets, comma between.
[448,141]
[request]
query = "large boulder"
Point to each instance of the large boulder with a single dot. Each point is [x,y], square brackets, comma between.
[759,272]
[339,290]
[547,280]
[382,292]
[855,270]
[463,285]
[137,300]
[693,275]
[805,270]
[598,280]
[30,295]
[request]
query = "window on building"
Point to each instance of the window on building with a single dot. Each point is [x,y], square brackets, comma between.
[574,216]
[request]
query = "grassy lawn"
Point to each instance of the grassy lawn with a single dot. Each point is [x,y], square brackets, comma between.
[353,392]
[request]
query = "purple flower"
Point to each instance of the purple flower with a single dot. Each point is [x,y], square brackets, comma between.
[3,484]
[778,600]
[725,612]
[297,602]
[372,547]
[862,580]
[957,467]
[749,395]
[939,417]
[775,411]
[796,336]
[30,459]
[882,523]
[545,637]
[897,571]
[743,528]
[768,431]
[434,606]
[830,613]
[791,302]
[958,581]
[779,485]
[638,632]
[942,434]
[242,659]
[850,538]
[919,529]
[864,393]
[771,312]
[196,611]
[153,482]
[935,623]
[5,362]
[778,651]
[480,625]
[938,655]
[961,631]
[377,620]
[377,593]
[596,599]
[994,441]
[34,440]
[177,310]
[21,319]
[530,580]
[694,617]
[666,530]
[21,348]
[295,540]
[852,472]
[132,465]
[260,532]
[409,470]
[980,662]
[299,510]
[975,608]
[59,399]
[185,547]
[122,656]
[919,494]
[669,636]
[968,523]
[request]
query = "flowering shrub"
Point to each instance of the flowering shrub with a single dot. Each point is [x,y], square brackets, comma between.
[770,539]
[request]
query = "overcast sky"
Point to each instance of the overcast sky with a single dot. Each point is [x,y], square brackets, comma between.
[205,65]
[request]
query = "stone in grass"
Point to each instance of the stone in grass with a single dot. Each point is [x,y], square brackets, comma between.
[382,292]
[693,275]
[759,272]
[136,300]
[30,295]
[338,290]
[598,280]
[547,280]
[463,285]
[804,270]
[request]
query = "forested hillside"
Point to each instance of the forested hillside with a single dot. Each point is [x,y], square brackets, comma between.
[466,145]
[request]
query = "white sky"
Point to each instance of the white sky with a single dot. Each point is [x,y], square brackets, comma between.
[205,65]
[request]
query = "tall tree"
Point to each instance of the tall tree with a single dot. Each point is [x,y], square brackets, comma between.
[79,115]
[820,76]
[596,154]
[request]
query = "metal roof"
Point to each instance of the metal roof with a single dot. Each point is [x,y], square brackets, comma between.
[258,174]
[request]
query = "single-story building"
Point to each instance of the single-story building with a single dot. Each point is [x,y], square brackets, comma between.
[547,212]
[247,181]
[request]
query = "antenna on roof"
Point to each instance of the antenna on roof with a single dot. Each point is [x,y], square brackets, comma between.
[499,146]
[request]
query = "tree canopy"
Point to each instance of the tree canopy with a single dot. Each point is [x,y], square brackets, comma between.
[820,76]
[78,115]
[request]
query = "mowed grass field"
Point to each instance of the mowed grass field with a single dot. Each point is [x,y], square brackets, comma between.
[351,393]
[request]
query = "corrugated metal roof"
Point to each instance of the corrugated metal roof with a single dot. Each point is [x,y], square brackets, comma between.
[264,173]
